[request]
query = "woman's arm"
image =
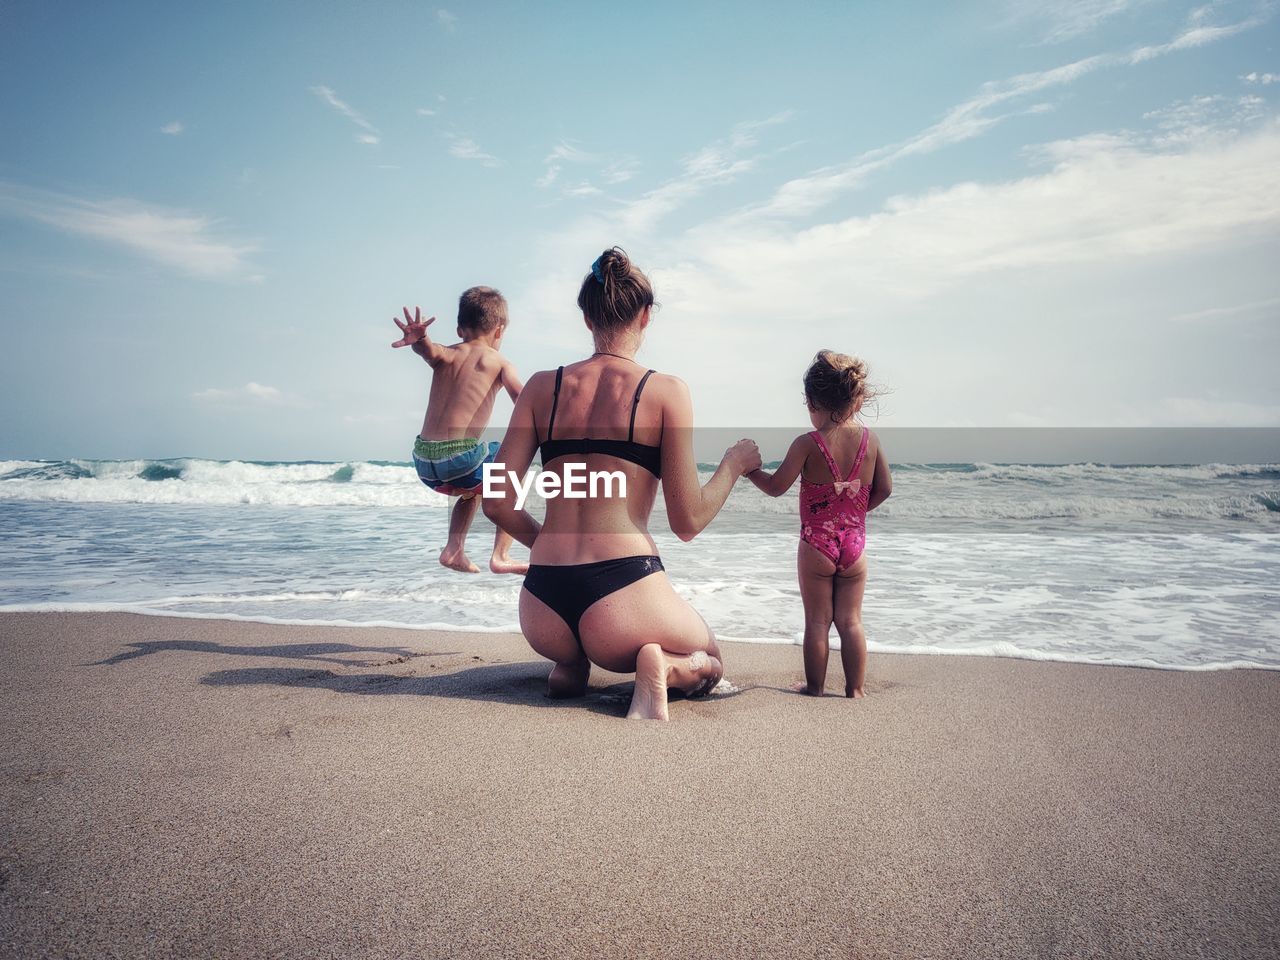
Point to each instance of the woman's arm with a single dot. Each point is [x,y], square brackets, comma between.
[779,482]
[881,481]
[516,454]
[691,507]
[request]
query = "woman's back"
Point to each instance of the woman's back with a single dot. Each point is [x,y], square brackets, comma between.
[605,414]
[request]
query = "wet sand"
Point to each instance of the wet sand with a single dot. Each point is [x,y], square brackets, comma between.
[192,788]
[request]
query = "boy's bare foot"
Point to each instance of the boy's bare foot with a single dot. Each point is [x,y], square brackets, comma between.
[457,560]
[656,671]
[855,693]
[568,680]
[505,564]
[803,687]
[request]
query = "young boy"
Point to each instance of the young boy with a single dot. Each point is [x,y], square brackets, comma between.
[466,376]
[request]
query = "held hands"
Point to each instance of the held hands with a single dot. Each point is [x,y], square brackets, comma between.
[414,328]
[743,457]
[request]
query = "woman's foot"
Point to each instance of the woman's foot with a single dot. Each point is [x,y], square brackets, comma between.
[855,693]
[694,675]
[568,680]
[656,670]
[457,560]
[649,701]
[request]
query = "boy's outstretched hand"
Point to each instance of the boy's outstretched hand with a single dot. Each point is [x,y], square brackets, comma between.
[414,328]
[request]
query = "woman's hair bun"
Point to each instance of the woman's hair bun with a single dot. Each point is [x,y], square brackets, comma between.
[614,292]
[614,264]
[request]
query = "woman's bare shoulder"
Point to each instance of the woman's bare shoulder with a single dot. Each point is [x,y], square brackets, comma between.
[667,384]
[541,380]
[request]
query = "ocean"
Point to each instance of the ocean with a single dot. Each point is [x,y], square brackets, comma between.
[1172,567]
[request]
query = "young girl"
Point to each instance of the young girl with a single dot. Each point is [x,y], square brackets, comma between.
[843,474]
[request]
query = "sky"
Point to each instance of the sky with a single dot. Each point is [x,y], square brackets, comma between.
[1019,213]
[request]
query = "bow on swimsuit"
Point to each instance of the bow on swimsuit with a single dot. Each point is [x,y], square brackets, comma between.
[571,589]
[833,516]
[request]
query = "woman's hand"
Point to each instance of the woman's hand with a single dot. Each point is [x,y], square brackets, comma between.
[743,457]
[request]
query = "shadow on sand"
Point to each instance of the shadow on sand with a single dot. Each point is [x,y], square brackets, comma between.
[285,651]
[516,683]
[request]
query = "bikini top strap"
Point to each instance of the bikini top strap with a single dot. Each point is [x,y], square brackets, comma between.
[862,452]
[555,402]
[635,405]
[822,445]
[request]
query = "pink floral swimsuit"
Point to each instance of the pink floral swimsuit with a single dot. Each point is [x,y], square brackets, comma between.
[833,516]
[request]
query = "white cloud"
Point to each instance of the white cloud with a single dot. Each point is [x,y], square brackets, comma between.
[549,177]
[426,112]
[1066,21]
[1265,79]
[465,148]
[256,393]
[567,152]
[1012,261]
[562,153]
[369,134]
[619,171]
[715,164]
[447,19]
[583,189]
[173,128]
[611,170]
[1107,197]
[1272,304]
[975,116]
[1203,116]
[173,238]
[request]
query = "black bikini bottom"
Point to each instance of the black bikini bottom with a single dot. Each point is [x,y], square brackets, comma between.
[571,589]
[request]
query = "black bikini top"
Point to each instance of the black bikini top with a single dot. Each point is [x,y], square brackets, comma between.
[638,453]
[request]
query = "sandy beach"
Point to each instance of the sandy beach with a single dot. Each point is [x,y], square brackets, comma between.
[191,788]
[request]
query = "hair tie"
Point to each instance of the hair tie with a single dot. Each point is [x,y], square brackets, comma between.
[596,272]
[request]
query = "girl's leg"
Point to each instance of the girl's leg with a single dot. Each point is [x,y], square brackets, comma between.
[551,637]
[850,585]
[816,573]
[501,561]
[454,554]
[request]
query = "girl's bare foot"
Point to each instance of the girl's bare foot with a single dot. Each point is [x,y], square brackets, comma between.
[568,679]
[855,693]
[457,560]
[502,563]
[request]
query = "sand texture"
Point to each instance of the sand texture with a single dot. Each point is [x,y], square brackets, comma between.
[194,788]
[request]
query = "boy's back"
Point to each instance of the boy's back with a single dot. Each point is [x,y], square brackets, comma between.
[464,382]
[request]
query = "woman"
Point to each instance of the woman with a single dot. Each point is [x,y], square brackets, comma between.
[596,591]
